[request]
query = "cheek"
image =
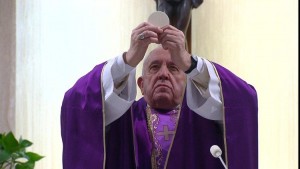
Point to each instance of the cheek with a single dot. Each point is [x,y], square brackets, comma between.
[179,86]
[147,88]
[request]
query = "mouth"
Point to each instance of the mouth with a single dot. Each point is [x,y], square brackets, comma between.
[162,86]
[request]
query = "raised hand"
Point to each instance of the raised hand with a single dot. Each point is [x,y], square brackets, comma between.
[173,39]
[141,37]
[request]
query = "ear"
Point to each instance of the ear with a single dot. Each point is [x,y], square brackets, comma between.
[140,84]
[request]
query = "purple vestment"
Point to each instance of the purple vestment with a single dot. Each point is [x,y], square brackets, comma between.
[126,143]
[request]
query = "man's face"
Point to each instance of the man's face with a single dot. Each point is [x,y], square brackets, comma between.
[162,83]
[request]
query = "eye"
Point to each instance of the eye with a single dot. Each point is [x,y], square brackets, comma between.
[173,68]
[154,67]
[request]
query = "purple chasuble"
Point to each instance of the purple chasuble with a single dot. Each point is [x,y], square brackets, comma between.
[126,143]
[162,128]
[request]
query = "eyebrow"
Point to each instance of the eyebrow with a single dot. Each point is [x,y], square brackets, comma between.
[155,62]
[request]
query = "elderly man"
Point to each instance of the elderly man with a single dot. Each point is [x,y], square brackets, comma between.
[189,104]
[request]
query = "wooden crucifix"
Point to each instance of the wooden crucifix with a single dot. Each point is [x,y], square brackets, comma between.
[179,13]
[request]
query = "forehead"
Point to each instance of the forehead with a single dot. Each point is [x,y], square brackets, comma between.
[158,55]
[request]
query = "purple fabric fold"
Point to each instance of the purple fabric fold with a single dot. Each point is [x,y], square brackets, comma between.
[127,144]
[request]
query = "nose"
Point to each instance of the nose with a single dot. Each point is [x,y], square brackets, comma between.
[163,73]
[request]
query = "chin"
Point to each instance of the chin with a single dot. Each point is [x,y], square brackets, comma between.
[164,103]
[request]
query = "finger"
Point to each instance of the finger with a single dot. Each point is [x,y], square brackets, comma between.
[147,40]
[168,27]
[171,38]
[141,25]
[144,30]
[171,34]
[169,45]
[147,34]
[154,40]
[147,26]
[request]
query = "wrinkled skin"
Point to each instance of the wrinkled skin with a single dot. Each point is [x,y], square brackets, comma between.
[163,82]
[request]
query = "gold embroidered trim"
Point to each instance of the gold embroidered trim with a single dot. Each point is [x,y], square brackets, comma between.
[171,145]
[150,119]
[103,116]
[224,121]
[152,123]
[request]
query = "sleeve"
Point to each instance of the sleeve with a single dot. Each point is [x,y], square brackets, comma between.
[119,87]
[240,120]
[203,91]
[82,123]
